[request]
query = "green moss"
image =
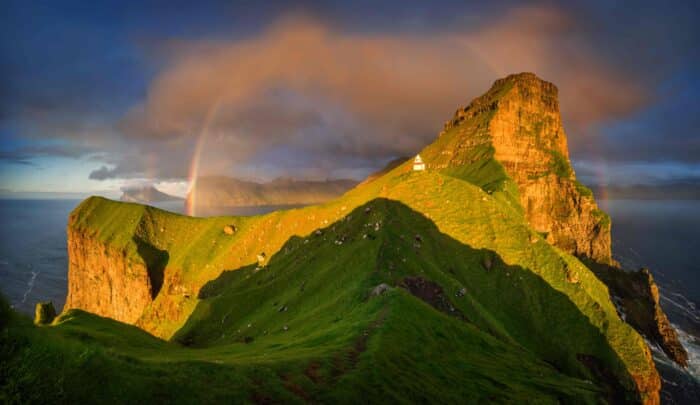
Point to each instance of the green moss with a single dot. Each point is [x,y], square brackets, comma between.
[583,190]
[602,217]
[560,164]
[538,175]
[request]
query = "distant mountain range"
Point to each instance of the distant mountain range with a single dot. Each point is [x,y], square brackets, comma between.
[146,194]
[221,191]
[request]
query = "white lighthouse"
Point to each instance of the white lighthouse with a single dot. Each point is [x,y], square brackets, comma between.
[418,164]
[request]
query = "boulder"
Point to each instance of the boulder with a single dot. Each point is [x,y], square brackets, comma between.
[230,229]
[44,313]
[379,290]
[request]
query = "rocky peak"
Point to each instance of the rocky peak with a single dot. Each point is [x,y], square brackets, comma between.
[517,123]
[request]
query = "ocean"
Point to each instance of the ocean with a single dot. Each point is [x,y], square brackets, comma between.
[661,235]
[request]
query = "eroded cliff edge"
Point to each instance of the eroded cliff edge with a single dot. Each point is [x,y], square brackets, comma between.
[113,277]
[636,296]
[517,123]
[104,281]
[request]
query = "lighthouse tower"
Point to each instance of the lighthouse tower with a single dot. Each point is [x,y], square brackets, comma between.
[418,164]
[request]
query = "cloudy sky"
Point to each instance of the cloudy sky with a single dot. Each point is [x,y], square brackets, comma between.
[96,97]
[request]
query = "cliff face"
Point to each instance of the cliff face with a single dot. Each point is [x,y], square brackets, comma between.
[637,298]
[103,281]
[518,123]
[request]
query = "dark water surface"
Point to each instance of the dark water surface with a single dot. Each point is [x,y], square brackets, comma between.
[661,235]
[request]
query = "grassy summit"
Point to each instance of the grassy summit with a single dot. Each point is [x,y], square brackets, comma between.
[415,286]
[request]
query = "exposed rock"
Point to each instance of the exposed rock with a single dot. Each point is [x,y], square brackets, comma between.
[104,281]
[230,229]
[615,393]
[637,297]
[379,290]
[44,313]
[519,118]
[432,293]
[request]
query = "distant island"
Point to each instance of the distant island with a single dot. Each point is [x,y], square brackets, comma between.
[146,195]
[222,191]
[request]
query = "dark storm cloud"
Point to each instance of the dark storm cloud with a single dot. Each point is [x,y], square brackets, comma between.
[330,87]
[306,87]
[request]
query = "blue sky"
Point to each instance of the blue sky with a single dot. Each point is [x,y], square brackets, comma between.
[302,88]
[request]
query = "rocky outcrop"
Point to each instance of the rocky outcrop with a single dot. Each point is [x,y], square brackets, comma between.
[105,281]
[431,293]
[517,123]
[44,313]
[636,296]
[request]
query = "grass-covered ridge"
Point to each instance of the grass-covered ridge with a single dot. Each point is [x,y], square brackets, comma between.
[519,304]
[476,306]
[306,327]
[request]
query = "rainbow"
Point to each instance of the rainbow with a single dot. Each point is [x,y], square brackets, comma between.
[191,202]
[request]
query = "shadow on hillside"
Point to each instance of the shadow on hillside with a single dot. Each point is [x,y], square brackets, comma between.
[155,260]
[542,319]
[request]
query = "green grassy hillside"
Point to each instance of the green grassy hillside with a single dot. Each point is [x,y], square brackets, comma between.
[478,306]
[306,327]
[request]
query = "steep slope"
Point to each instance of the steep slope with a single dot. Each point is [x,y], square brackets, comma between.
[219,191]
[637,297]
[517,124]
[458,237]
